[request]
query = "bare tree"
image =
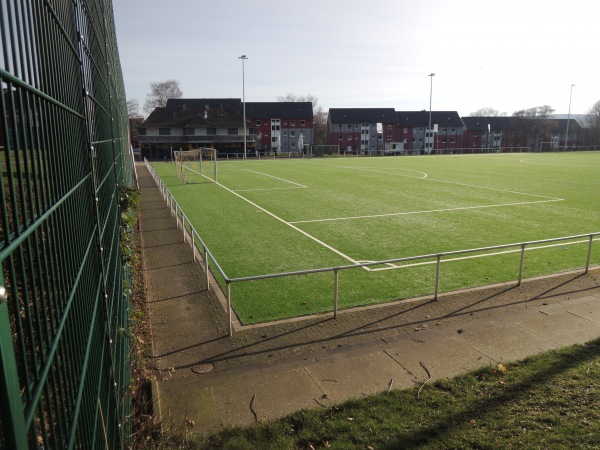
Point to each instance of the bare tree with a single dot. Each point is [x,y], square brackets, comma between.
[487,112]
[593,123]
[133,108]
[319,115]
[530,126]
[160,92]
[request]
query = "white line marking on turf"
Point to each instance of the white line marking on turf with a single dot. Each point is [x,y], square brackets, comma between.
[329,247]
[277,178]
[428,211]
[366,169]
[269,189]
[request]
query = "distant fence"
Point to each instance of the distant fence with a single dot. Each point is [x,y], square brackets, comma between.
[64,297]
[198,245]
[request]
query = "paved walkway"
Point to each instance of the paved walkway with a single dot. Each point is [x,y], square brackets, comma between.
[211,379]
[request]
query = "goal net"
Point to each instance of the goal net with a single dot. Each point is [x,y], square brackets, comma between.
[323,150]
[196,166]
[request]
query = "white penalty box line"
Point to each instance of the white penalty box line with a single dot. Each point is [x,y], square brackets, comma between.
[295,185]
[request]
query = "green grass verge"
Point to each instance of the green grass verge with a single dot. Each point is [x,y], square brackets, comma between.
[551,400]
[276,216]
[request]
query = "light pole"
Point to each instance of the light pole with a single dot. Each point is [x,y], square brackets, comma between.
[243,58]
[431,75]
[568,118]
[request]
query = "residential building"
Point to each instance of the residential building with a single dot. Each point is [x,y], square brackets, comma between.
[445,135]
[484,134]
[361,130]
[193,123]
[279,126]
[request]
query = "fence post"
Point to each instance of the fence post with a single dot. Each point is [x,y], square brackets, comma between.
[437,276]
[229,308]
[336,279]
[13,419]
[206,269]
[589,255]
[521,264]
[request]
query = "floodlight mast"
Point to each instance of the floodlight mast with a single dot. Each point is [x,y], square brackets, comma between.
[568,118]
[243,58]
[431,75]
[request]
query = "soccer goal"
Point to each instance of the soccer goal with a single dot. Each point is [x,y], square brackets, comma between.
[196,166]
[323,150]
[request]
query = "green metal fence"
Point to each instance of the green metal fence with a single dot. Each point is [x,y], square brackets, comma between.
[64,153]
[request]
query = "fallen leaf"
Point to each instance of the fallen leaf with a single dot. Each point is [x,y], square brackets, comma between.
[501,368]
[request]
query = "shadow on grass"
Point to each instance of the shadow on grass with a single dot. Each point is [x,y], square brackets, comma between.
[443,429]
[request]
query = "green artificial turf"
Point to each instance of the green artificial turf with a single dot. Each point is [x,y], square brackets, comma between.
[272,216]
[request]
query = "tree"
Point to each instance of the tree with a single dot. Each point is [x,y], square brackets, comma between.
[593,123]
[160,92]
[487,112]
[133,108]
[319,115]
[530,126]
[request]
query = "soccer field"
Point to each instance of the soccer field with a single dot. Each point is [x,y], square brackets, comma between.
[271,216]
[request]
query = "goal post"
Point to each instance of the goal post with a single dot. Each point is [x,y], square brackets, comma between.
[196,166]
[323,150]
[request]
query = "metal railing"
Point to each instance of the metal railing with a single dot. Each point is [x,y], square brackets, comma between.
[192,236]
[64,152]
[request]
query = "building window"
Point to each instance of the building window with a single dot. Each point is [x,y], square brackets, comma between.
[452,141]
[189,131]
[258,123]
[292,123]
[349,138]
[303,123]
[389,127]
[231,131]
[292,133]
[453,130]
[293,144]
[274,139]
[475,134]
[340,138]
[164,131]
[444,130]
[142,131]
[406,130]
[414,140]
[349,127]
[211,131]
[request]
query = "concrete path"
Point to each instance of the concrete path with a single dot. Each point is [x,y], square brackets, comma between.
[207,377]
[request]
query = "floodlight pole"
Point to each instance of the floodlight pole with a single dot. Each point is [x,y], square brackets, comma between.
[568,118]
[243,58]
[431,75]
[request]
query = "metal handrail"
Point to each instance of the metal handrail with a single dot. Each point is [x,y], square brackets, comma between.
[437,257]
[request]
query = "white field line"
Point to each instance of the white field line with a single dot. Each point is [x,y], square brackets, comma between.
[277,178]
[426,177]
[365,169]
[427,211]
[269,189]
[393,266]
[329,247]
[544,163]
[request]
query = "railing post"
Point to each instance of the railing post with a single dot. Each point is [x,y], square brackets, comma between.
[589,255]
[521,264]
[336,279]
[229,308]
[193,244]
[437,277]
[206,269]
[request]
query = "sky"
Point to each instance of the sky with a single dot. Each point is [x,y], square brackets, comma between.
[507,55]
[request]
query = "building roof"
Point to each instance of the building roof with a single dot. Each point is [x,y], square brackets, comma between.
[480,123]
[165,117]
[362,115]
[279,110]
[204,103]
[421,118]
